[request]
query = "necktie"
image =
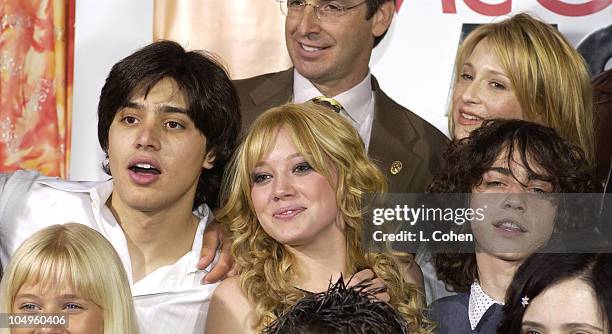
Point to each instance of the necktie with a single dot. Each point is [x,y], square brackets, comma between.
[328,103]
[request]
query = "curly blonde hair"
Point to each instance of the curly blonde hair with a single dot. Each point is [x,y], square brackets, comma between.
[332,147]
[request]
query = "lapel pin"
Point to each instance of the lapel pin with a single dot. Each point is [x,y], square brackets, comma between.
[396,167]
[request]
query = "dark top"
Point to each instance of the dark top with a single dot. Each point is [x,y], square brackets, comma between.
[451,316]
[602,112]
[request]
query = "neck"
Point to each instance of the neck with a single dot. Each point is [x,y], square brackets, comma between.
[155,238]
[319,265]
[495,274]
[331,88]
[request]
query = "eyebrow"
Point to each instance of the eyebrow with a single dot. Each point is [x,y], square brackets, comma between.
[26,295]
[505,171]
[575,325]
[70,296]
[294,155]
[29,295]
[488,70]
[572,325]
[166,109]
[533,324]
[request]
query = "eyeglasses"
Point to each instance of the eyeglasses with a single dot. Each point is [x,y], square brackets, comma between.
[331,9]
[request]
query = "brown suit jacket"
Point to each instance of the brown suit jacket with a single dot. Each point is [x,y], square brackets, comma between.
[398,135]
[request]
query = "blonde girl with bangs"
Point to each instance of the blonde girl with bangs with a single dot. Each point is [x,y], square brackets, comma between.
[292,202]
[522,68]
[72,270]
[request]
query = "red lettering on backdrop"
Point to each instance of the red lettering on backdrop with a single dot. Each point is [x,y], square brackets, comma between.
[448,7]
[489,10]
[582,9]
[556,6]
[398,5]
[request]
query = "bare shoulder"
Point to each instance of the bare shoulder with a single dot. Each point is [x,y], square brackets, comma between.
[411,272]
[229,287]
[230,310]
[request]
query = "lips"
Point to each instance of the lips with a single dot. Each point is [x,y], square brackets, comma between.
[509,227]
[310,51]
[288,213]
[144,171]
[310,48]
[468,118]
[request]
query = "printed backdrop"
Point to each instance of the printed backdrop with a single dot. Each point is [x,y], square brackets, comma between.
[247,34]
[35,85]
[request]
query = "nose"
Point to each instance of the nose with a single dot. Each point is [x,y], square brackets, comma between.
[514,201]
[148,136]
[282,188]
[49,330]
[470,93]
[309,24]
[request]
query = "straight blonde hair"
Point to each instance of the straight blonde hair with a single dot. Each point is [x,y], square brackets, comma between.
[550,78]
[75,255]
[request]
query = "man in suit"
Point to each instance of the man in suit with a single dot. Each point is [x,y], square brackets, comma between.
[330,45]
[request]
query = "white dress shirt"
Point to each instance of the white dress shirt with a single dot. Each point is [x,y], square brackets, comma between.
[358,102]
[168,300]
[479,303]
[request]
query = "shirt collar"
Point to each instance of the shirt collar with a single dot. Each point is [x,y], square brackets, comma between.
[194,255]
[479,303]
[354,100]
[98,191]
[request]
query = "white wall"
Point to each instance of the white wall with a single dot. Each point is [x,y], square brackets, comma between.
[105,32]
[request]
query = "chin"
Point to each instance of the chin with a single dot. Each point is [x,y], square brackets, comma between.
[462,131]
[512,257]
[313,71]
[291,241]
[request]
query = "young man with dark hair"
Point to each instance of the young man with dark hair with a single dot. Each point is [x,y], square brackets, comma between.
[168,121]
[524,175]
[340,310]
[330,44]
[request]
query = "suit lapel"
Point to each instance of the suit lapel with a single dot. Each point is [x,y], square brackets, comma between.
[274,91]
[392,141]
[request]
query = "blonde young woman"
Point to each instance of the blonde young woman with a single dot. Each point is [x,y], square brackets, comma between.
[293,205]
[522,68]
[69,270]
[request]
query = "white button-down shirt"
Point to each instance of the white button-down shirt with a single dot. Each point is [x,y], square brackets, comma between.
[168,300]
[358,102]
[479,303]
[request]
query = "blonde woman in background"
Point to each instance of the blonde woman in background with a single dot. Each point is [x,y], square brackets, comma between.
[293,205]
[70,270]
[522,68]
